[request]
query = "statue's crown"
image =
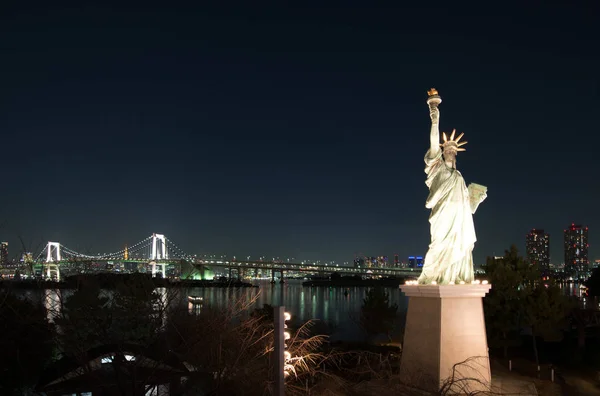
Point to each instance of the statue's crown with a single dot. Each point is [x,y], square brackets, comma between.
[453,144]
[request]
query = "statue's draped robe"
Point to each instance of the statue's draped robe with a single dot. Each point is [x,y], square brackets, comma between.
[450,255]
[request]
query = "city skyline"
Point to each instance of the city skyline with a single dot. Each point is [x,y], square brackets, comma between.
[292,132]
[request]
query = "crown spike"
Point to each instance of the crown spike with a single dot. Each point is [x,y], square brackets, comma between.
[453,132]
[459,137]
[462,143]
[461,149]
[445,137]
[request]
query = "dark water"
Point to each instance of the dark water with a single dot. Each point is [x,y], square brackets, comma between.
[330,306]
[334,311]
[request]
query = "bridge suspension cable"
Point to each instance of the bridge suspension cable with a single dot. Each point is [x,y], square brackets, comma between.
[178,252]
[70,253]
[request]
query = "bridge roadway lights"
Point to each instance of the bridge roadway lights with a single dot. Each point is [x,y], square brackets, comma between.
[322,269]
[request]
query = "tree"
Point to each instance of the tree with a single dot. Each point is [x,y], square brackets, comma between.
[593,283]
[503,310]
[520,298]
[377,315]
[25,342]
[545,309]
[127,317]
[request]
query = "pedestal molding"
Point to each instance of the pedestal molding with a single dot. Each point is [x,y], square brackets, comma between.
[446,291]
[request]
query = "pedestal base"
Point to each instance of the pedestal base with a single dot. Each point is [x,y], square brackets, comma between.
[445,344]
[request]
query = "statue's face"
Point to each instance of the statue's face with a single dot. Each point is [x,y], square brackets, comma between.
[450,157]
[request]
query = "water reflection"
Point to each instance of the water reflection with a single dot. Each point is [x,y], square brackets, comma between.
[335,307]
[52,303]
[572,289]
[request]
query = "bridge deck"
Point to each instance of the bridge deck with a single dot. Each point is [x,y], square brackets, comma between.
[269,265]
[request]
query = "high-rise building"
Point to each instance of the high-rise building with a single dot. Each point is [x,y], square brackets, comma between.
[537,246]
[3,253]
[415,262]
[396,261]
[382,261]
[576,251]
[359,262]
[370,262]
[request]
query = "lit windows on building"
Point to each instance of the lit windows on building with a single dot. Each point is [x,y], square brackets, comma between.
[537,246]
[415,262]
[359,262]
[576,247]
[371,262]
[3,253]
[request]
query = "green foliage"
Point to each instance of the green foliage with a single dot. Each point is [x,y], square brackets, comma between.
[83,320]
[25,342]
[519,298]
[503,304]
[377,314]
[545,310]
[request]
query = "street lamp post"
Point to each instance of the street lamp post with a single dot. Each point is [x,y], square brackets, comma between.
[280,335]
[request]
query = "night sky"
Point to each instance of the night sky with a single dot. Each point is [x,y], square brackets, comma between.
[294,132]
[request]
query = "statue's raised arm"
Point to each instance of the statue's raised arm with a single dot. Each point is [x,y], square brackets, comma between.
[434,113]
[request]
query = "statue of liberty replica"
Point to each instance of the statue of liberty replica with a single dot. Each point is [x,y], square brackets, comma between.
[449,259]
[445,326]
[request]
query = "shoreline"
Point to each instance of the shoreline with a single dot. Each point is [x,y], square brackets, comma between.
[111,283]
[354,282]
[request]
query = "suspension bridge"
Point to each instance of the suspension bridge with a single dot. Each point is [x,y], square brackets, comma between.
[158,252]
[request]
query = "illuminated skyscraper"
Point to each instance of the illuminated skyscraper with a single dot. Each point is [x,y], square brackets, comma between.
[415,262]
[359,262]
[577,262]
[370,262]
[537,245]
[3,253]
[382,261]
[396,261]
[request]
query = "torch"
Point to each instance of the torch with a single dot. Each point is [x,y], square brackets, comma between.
[434,98]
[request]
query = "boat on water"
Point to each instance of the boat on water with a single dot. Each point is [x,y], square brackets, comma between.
[195,299]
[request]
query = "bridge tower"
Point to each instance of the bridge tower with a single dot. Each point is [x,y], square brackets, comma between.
[163,269]
[159,247]
[126,253]
[53,247]
[53,256]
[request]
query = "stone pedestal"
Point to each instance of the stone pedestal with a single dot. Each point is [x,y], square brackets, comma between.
[445,342]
